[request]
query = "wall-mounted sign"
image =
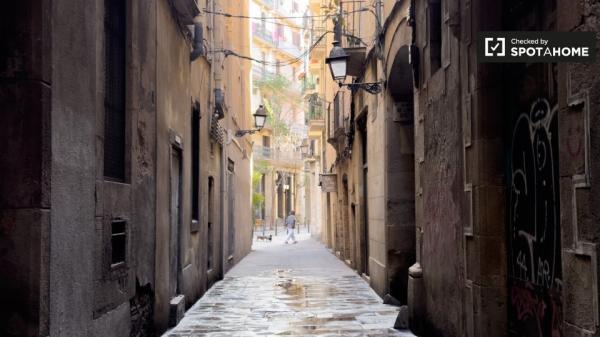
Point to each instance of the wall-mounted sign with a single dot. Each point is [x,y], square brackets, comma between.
[328,182]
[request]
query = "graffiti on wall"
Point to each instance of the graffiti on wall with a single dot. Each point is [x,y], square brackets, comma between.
[534,224]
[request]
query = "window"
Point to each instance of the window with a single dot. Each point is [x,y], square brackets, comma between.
[118,242]
[195,164]
[435,35]
[211,188]
[231,207]
[266,141]
[115,34]
[262,191]
[296,39]
[280,33]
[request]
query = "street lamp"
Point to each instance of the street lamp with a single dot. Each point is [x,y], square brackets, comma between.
[304,148]
[338,64]
[337,61]
[260,118]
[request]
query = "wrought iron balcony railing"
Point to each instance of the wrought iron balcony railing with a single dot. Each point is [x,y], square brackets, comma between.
[268,153]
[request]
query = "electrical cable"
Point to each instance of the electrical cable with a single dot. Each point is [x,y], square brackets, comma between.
[300,57]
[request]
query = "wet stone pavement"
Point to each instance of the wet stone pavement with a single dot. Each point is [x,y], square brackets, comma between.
[290,290]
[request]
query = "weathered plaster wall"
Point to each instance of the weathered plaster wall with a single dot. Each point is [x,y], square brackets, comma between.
[173,111]
[134,199]
[377,180]
[73,126]
[236,85]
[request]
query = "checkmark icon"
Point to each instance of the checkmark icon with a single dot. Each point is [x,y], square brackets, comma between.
[494,46]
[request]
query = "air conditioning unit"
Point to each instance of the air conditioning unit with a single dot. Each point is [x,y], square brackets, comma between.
[186,10]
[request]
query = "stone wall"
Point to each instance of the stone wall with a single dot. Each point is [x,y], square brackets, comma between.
[579,151]
[25,94]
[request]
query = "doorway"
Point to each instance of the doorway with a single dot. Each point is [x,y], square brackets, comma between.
[400,170]
[364,228]
[175,222]
[230,208]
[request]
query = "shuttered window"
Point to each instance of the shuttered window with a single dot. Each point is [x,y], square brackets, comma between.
[115,68]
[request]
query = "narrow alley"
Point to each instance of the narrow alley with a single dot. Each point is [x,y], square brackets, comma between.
[293,290]
[439,160]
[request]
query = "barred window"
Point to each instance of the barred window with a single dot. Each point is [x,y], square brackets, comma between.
[118,242]
[114,102]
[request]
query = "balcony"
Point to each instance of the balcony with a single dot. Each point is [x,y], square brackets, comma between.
[277,157]
[288,47]
[338,120]
[318,32]
[309,84]
[315,116]
[315,112]
[268,3]
[262,33]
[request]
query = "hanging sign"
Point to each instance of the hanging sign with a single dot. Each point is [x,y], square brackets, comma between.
[328,182]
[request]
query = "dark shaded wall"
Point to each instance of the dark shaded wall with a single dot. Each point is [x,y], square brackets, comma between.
[400,153]
[25,101]
[579,167]
[438,120]
[56,256]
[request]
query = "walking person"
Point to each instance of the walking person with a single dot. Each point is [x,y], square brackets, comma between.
[290,223]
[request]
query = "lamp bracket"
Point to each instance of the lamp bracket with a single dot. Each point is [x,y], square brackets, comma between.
[241,133]
[370,87]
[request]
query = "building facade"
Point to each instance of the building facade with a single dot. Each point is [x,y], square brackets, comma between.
[278,44]
[118,152]
[467,189]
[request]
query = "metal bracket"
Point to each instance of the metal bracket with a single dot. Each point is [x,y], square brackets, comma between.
[241,133]
[372,87]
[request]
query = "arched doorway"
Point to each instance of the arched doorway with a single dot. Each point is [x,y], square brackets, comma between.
[400,167]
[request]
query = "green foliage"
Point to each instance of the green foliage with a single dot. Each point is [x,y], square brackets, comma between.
[279,93]
[256,178]
[261,167]
[257,200]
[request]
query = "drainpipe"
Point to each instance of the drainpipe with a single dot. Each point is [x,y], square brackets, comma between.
[224,254]
[218,46]
[217,66]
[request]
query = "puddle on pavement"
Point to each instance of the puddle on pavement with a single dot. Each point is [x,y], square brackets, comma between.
[286,302]
[311,299]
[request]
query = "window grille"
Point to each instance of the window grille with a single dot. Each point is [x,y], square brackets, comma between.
[118,242]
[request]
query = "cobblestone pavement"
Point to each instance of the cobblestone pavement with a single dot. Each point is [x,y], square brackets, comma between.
[291,290]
